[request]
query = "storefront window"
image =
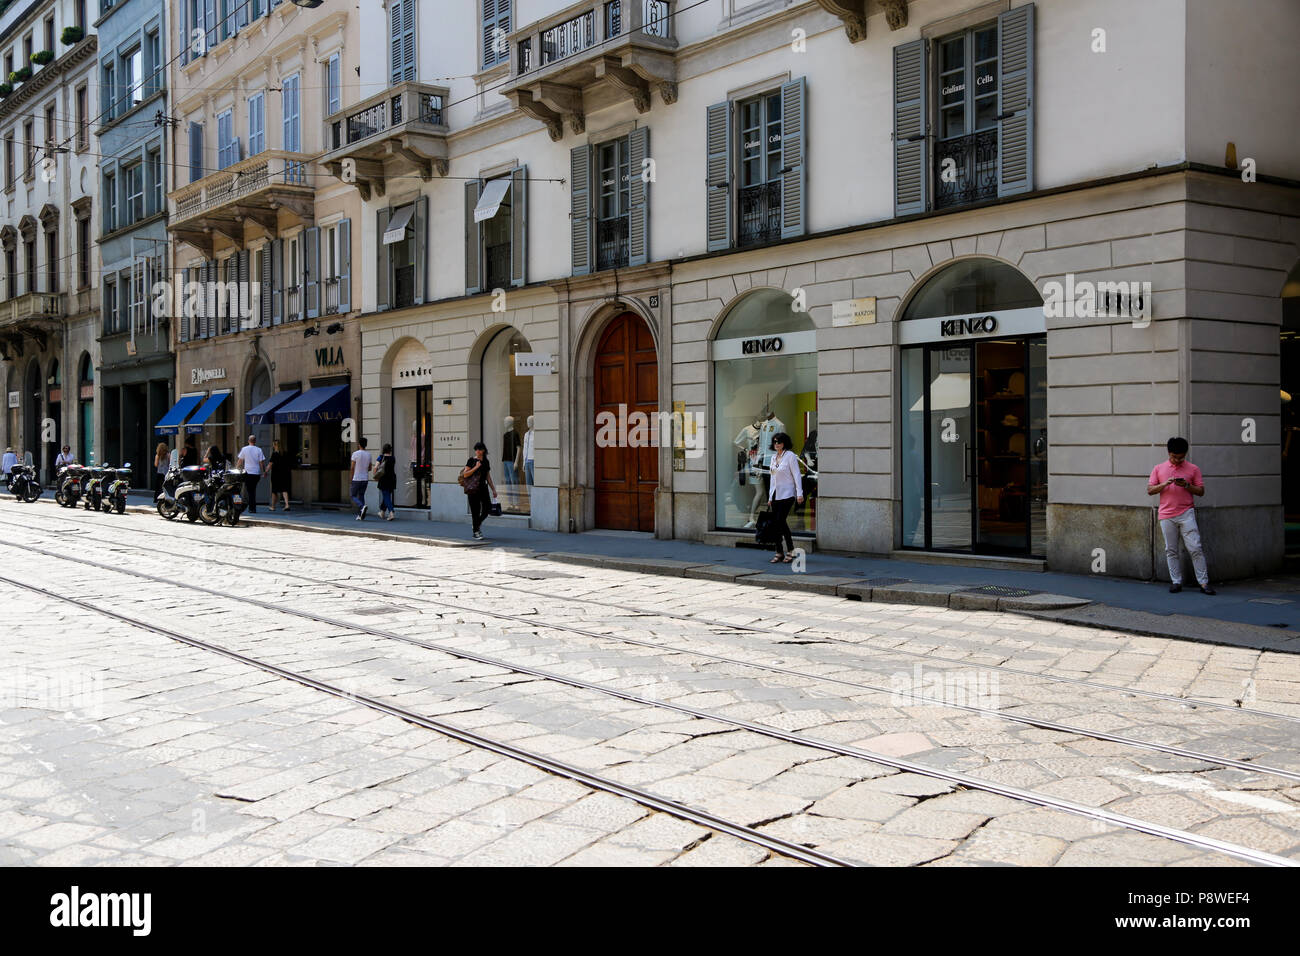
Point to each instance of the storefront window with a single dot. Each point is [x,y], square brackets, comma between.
[508,421]
[765,383]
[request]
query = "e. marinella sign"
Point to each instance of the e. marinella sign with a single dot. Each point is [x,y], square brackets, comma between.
[199,376]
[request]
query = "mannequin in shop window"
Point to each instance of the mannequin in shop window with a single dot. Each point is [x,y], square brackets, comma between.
[808,459]
[528,452]
[511,445]
[769,426]
[746,442]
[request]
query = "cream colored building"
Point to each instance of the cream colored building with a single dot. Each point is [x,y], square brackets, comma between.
[837,219]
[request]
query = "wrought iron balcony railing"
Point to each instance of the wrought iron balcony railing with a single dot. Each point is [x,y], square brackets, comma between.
[241,183]
[974,167]
[760,213]
[405,121]
[611,243]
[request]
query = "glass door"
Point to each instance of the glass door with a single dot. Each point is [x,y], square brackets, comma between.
[951,443]
[1001,446]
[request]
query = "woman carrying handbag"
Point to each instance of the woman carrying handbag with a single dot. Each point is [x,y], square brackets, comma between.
[786,488]
[476,480]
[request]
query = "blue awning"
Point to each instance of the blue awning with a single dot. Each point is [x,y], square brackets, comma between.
[261,415]
[170,424]
[195,425]
[333,403]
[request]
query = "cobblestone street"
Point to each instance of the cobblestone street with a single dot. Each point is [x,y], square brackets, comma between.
[866,733]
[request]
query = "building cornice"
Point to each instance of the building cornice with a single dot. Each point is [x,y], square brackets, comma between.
[45,78]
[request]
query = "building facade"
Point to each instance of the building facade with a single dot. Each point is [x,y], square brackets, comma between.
[263,242]
[978,298]
[49,310]
[137,371]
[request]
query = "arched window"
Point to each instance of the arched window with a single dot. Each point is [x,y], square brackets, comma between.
[972,285]
[507,402]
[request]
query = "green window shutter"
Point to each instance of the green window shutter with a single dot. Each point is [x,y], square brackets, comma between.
[911,175]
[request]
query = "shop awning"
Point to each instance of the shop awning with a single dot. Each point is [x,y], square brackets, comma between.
[396,230]
[331,403]
[490,201]
[201,418]
[170,424]
[262,414]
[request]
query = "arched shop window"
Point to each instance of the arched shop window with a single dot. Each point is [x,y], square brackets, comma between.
[764,382]
[508,426]
[973,416]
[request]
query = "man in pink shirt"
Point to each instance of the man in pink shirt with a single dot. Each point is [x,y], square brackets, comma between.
[1177,481]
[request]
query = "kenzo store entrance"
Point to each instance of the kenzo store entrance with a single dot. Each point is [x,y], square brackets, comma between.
[974,414]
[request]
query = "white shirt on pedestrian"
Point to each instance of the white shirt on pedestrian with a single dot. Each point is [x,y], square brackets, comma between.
[785,479]
[10,460]
[63,460]
[252,458]
[361,465]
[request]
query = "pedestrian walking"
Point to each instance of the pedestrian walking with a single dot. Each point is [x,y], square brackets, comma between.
[360,478]
[386,479]
[1178,483]
[785,488]
[161,462]
[278,468]
[64,458]
[8,462]
[476,480]
[251,459]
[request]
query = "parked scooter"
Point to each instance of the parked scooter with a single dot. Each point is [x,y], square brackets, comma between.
[191,493]
[70,481]
[115,492]
[167,505]
[23,483]
[93,492]
[225,501]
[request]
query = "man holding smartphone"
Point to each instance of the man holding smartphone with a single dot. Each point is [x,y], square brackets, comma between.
[1177,481]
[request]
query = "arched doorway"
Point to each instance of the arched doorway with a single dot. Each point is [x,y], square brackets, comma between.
[86,410]
[259,390]
[974,412]
[411,429]
[506,399]
[32,395]
[1290,396]
[626,377]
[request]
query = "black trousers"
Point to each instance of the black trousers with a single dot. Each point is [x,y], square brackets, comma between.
[250,492]
[780,530]
[480,503]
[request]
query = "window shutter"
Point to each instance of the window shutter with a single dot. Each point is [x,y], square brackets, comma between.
[911,178]
[580,208]
[245,292]
[277,281]
[265,303]
[311,271]
[196,151]
[383,265]
[205,297]
[182,320]
[421,249]
[717,179]
[395,41]
[489,22]
[345,265]
[519,227]
[182,16]
[408,39]
[402,40]
[794,144]
[1016,101]
[638,220]
[210,22]
[473,237]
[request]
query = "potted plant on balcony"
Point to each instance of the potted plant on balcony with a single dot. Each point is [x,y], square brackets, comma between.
[72,35]
[6,89]
[41,57]
[21,75]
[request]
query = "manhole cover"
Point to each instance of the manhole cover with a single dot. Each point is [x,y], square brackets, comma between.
[886,582]
[999,589]
[380,609]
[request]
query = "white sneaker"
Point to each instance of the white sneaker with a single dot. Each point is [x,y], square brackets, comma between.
[363,513]
[390,516]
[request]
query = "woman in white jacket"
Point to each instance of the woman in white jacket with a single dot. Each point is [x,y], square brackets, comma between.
[785,488]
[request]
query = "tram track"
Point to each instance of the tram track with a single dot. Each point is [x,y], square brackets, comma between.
[958,779]
[1250,766]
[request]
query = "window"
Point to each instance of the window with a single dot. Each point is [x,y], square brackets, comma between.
[613,202]
[11,272]
[153,62]
[83,253]
[49,33]
[495,232]
[109,90]
[134,183]
[336,267]
[27,50]
[9,161]
[132,79]
[610,212]
[401,41]
[496,27]
[196,152]
[974,92]
[81,16]
[29,146]
[334,94]
[83,124]
[51,131]
[289,111]
[110,202]
[402,252]
[9,66]
[156,199]
[755,175]
[29,251]
[227,145]
[256,123]
[52,260]
[110,308]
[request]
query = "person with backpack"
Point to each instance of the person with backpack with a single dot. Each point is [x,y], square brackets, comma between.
[476,480]
[386,480]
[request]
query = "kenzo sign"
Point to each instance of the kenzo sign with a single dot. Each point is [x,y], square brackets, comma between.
[760,346]
[980,323]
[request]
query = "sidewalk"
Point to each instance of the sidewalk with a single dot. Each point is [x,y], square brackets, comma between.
[1261,613]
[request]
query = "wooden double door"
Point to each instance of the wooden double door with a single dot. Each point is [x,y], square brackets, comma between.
[626,382]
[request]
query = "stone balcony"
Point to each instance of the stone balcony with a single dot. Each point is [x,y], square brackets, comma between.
[34,315]
[402,127]
[626,45]
[854,13]
[254,190]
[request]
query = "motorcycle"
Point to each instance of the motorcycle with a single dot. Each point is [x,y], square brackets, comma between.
[115,495]
[93,493]
[191,493]
[68,489]
[168,506]
[225,501]
[23,484]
